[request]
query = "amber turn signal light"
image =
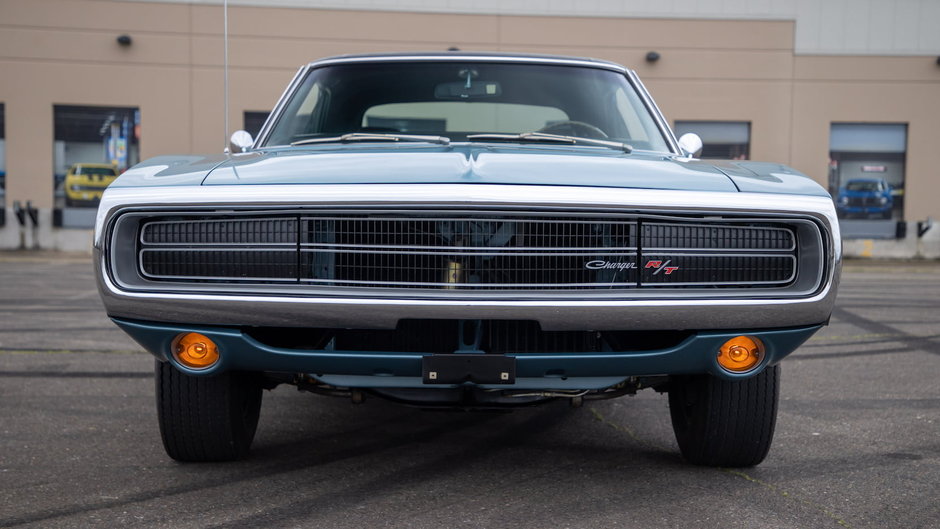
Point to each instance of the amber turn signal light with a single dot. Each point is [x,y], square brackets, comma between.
[195,351]
[741,354]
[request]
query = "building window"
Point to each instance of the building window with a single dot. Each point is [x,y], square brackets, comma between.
[92,146]
[866,177]
[254,120]
[724,140]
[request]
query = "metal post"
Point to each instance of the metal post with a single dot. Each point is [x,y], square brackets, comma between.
[33,214]
[21,219]
[225,72]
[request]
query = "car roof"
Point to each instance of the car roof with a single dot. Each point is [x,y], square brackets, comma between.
[458,56]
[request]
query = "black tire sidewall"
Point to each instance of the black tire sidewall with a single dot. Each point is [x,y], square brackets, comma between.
[727,423]
[207,418]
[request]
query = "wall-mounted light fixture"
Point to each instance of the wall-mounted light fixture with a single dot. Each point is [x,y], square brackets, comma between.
[453,48]
[124,40]
[652,56]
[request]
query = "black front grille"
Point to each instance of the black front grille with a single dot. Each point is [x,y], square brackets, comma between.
[675,269]
[211,263]
[715,237]
[461,270]
[468,233]
[469,253]
[266,231]
[479,252]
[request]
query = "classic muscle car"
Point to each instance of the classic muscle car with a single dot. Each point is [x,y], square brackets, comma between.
[85,182]
[865,197]
[467,231]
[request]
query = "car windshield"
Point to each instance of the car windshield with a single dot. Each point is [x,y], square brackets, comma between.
[104,171]
[863,185]
[460,100]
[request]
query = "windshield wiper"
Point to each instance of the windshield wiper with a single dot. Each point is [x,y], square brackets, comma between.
[369,136]
[558,138]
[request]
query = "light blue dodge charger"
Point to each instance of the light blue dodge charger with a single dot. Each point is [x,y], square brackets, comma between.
[471,231]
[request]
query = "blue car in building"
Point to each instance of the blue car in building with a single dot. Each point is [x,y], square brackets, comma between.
[469,231]
[865,198]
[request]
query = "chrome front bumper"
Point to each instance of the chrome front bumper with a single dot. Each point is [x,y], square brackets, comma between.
[593,313]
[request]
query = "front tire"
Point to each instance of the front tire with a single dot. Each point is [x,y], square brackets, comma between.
[725,423]
[211,418]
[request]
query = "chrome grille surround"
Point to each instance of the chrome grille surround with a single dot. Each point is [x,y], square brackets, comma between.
[809,299]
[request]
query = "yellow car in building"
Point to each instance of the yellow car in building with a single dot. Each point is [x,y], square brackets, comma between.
[85,182]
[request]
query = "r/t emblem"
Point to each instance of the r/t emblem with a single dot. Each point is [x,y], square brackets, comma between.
[661,266]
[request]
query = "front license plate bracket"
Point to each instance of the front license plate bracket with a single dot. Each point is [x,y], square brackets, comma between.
[458,368]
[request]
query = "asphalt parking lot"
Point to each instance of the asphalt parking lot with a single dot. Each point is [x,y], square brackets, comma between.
[857,442]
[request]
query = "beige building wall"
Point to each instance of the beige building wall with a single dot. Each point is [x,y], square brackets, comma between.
[64,52]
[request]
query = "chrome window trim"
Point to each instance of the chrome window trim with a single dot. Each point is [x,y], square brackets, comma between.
[462,57]
[658,116]
[278,107]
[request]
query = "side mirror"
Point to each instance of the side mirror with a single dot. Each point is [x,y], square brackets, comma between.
[240,141]
[690,143]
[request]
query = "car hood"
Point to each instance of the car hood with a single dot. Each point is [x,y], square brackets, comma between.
[593,167]
[468,163]
[768,177]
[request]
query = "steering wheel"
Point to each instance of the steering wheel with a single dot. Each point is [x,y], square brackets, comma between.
[575,128]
